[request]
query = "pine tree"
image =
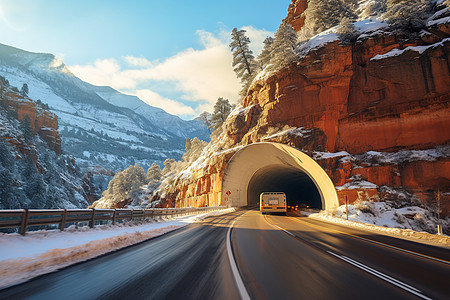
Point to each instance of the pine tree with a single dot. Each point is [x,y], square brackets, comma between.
[407,15]
[6,159]
[28,169]
[169,166]
[205,117]
[373,8]
[353,4]
[118,187]
[35,188]
[6,191]
[154,173]
[134,178]
[194,148]
[4,81]
[265,55]
[222,109]
[347,32]
[24,90]
[25,126]
[283,47]
[36,191]
[243,59]
[322,15]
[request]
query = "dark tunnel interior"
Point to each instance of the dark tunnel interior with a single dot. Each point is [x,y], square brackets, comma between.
[299,188]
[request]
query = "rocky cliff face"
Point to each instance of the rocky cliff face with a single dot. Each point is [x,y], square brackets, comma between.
[33,172]
[346,94]
[378,109]
[42,121]
[295,15]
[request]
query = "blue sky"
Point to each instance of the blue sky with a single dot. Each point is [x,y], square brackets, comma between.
[172,54]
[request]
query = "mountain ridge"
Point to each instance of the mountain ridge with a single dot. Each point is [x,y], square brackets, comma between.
[96,132]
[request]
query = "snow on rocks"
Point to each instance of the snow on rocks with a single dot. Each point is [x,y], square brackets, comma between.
[402,156]
[367,26]
[419,49]
[317,41]
[325,155]
[408,222]
[375,158]
[300,131]
[45,251]
[360,184]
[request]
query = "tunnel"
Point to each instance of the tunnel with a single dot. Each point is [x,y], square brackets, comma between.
[300,190]
[274,167]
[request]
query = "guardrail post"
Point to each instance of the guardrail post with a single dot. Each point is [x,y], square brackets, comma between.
[114,217]
[63,220]
[23,226]
[132,214]
[92,222]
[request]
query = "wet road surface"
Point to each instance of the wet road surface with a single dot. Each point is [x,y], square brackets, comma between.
[277,257]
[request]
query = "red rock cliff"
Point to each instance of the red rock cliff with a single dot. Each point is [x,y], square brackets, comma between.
[353,99]
[295,15]
[42,122]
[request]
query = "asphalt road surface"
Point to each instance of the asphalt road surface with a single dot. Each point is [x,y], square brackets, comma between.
[319,260]
[274,257]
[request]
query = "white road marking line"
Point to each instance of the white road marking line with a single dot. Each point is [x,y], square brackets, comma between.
[374,272]
[375,242]
[284,230]
[237,277]
[380,275]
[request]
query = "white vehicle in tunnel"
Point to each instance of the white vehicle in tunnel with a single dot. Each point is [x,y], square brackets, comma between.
[272,202]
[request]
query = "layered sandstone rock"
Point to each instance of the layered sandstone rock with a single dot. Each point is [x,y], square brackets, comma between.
[295,15]
[383,93]
[42,122]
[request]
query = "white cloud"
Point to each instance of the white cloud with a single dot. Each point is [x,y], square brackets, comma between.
[137,61]
[170,106]
[199,75]
[104,72]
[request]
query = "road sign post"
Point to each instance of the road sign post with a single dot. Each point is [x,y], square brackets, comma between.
[346,206]
[228,193]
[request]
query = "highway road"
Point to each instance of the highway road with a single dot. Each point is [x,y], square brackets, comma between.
[247,255]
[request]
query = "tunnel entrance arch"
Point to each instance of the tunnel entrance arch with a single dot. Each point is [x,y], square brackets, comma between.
[263,167]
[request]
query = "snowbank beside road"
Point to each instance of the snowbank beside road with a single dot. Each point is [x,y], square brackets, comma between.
[384,222]
[41,252]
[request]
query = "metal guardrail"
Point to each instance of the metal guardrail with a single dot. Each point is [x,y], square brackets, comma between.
[24,218]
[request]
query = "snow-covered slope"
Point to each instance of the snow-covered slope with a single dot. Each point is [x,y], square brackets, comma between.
[171,123]
[32,174]
[94,130]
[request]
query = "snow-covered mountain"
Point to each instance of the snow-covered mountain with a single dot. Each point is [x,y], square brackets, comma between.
[99,125]
[33,174]
[171,123]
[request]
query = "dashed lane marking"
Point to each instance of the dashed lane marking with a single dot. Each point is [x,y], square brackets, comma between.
[382,276]
[372,241]
[367,269]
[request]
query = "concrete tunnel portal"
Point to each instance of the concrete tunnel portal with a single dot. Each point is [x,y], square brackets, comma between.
[274,167]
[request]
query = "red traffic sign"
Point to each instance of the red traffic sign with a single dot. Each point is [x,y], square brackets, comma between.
[228,193]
